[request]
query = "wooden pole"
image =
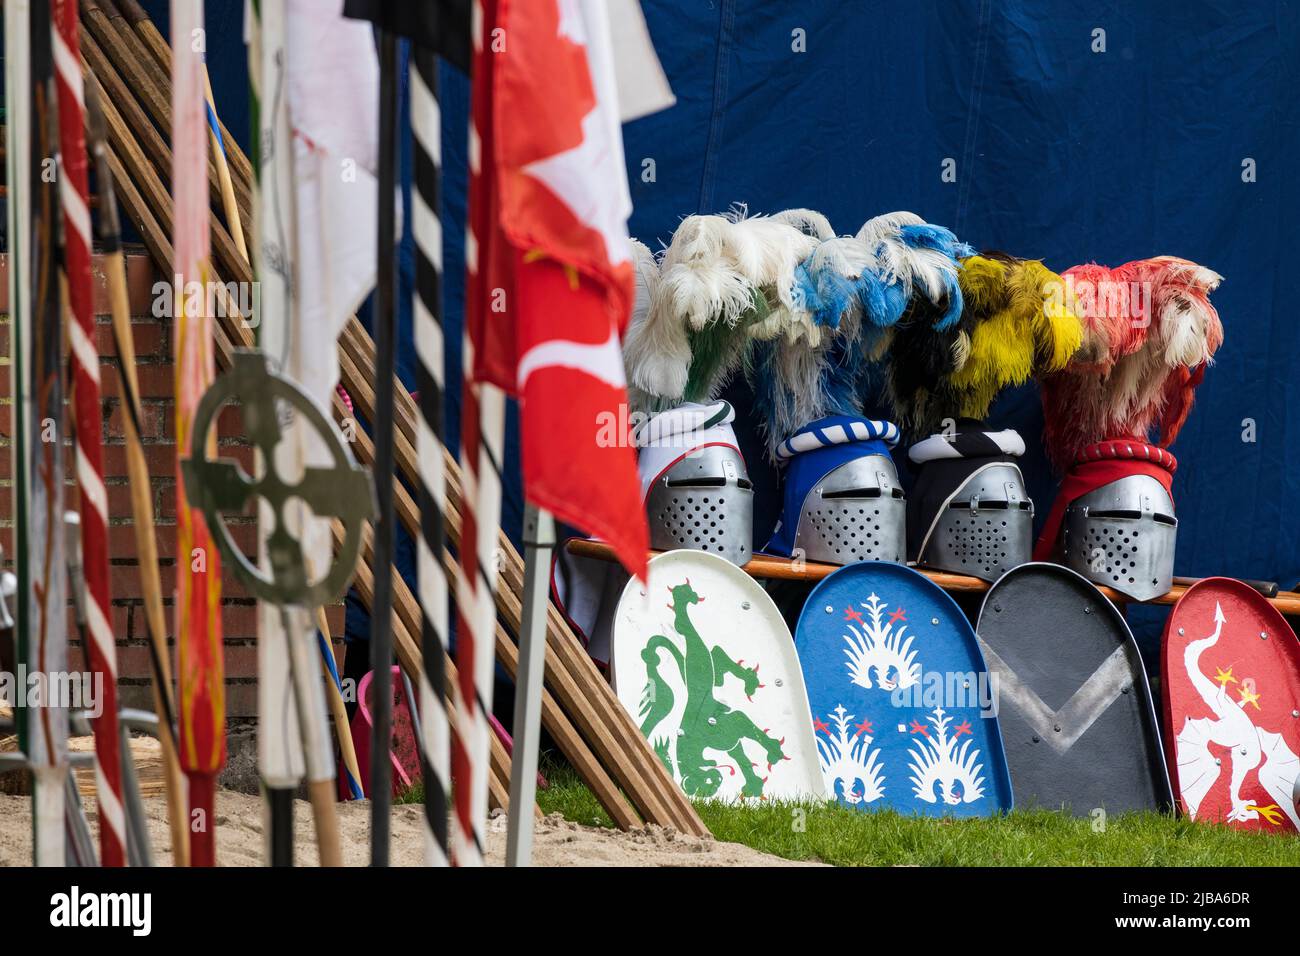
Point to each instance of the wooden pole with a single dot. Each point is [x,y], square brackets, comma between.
[320,789]
[146,542]
[233,218]
[338,708]
[156,45]
[148,83]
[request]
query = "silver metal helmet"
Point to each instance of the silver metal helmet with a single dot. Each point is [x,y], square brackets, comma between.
[1122,535]
[704,502]
[855,513]
[987,527]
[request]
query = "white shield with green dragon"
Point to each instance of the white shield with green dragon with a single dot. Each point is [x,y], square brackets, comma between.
[705,664]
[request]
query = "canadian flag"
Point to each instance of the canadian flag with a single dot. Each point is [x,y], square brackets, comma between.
[551,275]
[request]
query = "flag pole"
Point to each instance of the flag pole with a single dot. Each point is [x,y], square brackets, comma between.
[539,541]
[286,635]
[200,671]
[43,630]
[101,648]
[483,409]
[146,541]
[18,211]
[429,346]
[381,609]
[266,70]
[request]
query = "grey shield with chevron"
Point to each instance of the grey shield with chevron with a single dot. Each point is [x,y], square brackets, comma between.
[1075,708]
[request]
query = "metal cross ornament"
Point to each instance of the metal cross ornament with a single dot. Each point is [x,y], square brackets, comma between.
[221,486]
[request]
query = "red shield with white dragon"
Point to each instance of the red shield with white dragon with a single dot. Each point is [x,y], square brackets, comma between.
[1231,688]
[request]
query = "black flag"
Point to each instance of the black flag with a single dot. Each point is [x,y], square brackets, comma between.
[438,25]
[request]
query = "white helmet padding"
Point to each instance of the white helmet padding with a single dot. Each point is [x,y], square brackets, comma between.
[694,483]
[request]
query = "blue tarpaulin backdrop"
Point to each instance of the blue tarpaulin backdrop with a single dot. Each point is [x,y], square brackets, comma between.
[1117,133]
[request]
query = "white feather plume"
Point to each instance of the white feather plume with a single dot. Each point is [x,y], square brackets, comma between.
[808,221]
[713,271]
[656,348]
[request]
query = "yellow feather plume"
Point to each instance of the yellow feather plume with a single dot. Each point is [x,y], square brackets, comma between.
[983,284]
[1054,315]
[1023,325]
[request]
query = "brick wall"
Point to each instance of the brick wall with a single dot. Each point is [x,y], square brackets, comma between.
[153,348]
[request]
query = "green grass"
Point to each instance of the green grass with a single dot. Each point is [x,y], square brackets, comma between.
[568,795]
[843,837]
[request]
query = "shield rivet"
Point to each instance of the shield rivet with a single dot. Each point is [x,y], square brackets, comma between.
[712,721]
[1057,728]
[680,732]
[829,609]
[1087,609]
[1218,761]
[744,605]
[934,621]
[1295,713]
[1263,635]
[1037,739]
[1125,690]
[1243,751]
[997,608]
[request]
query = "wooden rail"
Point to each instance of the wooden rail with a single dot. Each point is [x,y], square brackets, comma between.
[769,567]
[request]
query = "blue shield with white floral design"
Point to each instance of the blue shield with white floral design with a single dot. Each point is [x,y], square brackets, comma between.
[904,712]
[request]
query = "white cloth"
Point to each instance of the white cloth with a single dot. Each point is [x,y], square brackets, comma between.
[672,435]
[967,445]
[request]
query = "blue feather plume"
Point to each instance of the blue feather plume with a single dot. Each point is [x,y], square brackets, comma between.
[773,402]
[796,380]
[952,314]
[844,377]
[929,236]
[883,303]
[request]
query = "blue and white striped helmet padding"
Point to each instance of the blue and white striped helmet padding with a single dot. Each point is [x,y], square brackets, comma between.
[836,430]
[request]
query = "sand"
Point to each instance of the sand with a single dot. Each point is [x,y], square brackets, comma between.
[557,843]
